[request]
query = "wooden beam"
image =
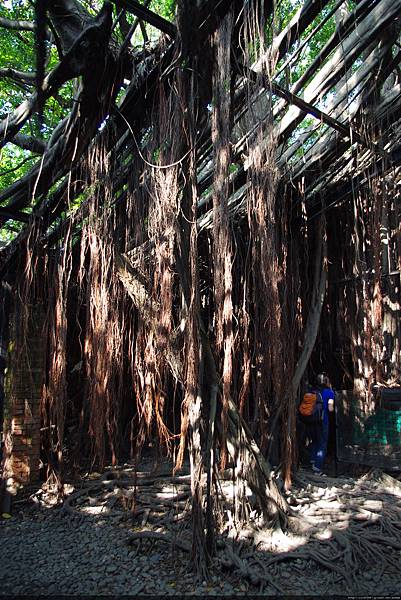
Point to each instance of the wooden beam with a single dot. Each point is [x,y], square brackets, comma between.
[343,130]
[144,14]
[308,38]
[14,215]
[346,131]
[342,32]
[286,38]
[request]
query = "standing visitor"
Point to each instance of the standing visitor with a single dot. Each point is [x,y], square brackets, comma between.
[321,432]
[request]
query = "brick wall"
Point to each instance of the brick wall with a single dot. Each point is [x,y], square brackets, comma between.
[24,379]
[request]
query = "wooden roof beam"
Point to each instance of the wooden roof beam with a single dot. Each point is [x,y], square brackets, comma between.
[144,14]
[14,215]
[346,131]
[285,39]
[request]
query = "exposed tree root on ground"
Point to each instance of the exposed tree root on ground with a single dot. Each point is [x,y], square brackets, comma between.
[340,527]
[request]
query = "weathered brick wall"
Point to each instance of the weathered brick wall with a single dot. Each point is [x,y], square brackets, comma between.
[24,380]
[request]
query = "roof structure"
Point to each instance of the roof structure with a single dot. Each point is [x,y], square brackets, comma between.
[339,117]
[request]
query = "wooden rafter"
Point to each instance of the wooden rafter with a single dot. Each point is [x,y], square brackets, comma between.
[346,131]
[144,14]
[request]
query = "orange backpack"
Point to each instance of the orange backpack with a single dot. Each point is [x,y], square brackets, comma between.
[311,407]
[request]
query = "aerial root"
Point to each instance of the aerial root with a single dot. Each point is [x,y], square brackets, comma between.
[159,537]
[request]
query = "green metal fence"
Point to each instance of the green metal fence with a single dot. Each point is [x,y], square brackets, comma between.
[367,436]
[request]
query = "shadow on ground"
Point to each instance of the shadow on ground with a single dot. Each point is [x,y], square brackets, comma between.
[128,533]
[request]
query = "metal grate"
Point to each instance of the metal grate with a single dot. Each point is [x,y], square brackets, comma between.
[367,437]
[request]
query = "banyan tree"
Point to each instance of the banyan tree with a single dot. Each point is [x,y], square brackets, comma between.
[199,210]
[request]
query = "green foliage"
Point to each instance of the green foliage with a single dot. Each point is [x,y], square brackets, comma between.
[284,12]
[164,8]
[9,231]
[14,163]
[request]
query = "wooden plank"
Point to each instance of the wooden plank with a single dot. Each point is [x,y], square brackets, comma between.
[346,131]
[286,38]
[144,14]
[14,215]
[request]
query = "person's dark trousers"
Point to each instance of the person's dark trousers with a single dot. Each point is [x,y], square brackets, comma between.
[319,444]
[316,434]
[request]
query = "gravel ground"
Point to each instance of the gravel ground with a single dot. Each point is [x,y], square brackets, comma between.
[54,555]
[46,552]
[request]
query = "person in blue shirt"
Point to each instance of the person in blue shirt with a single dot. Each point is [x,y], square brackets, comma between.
[319,443]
